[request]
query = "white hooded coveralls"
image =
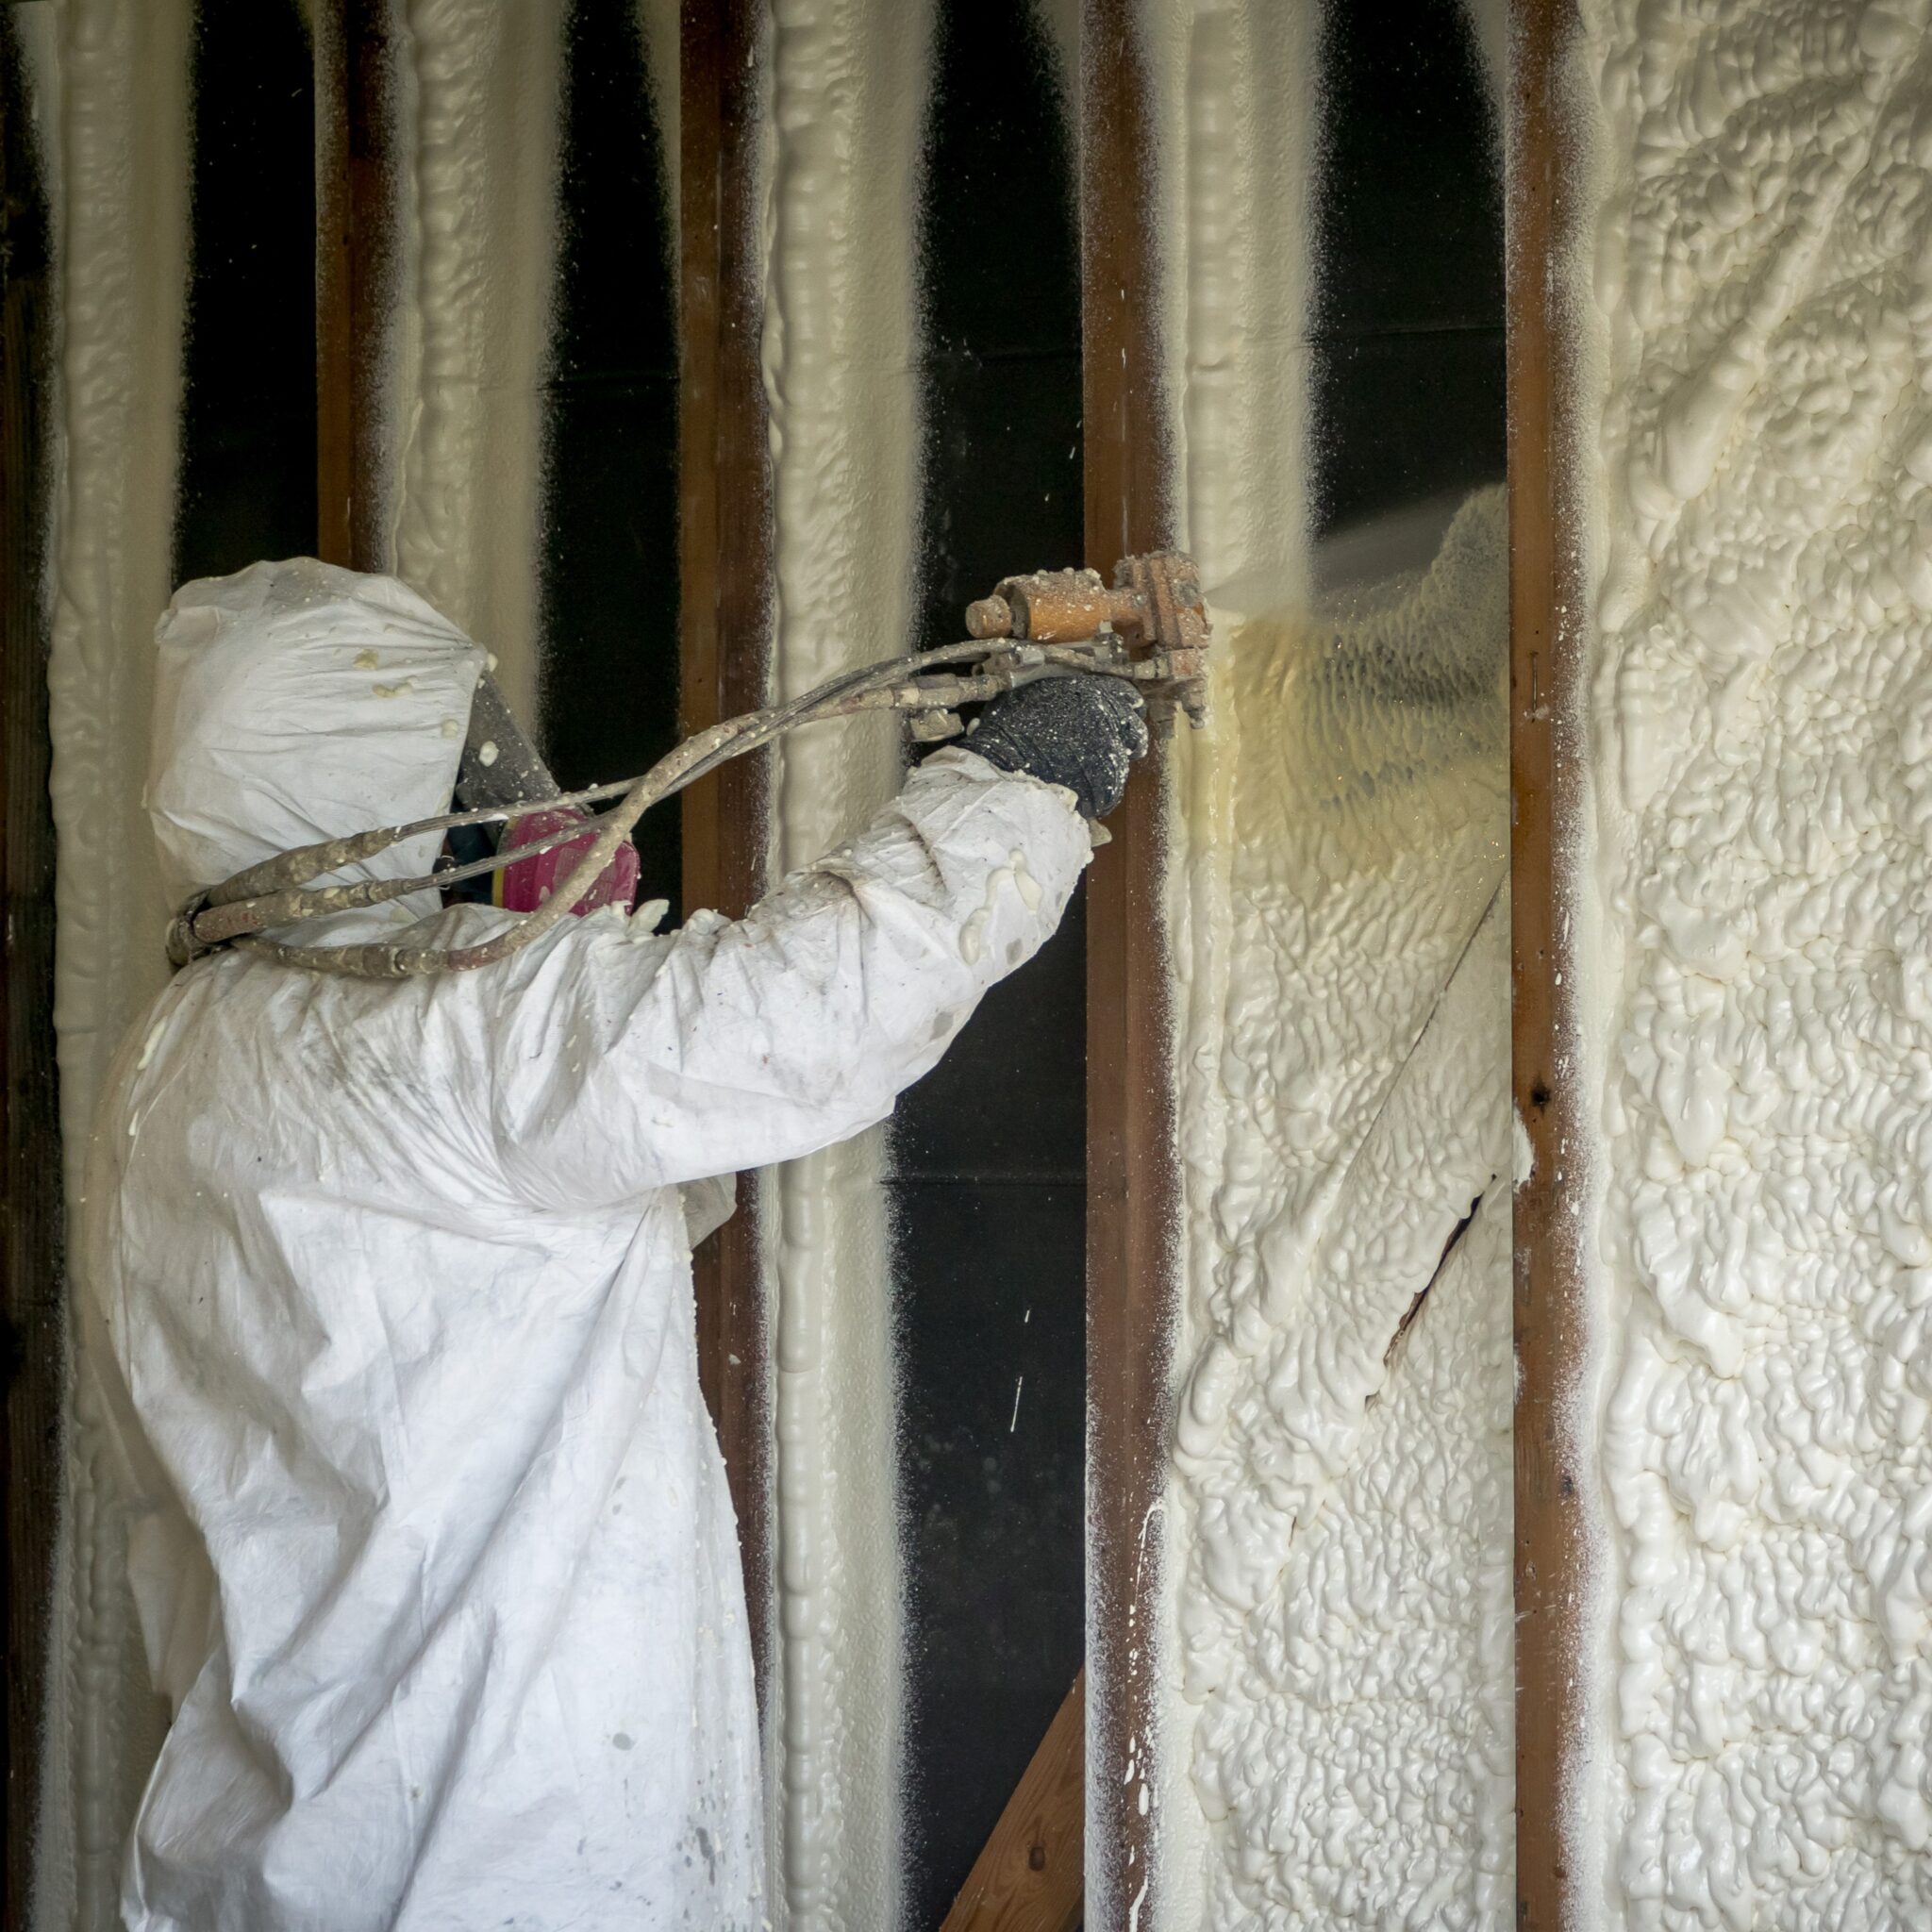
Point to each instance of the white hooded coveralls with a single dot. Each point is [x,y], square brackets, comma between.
[388,1290]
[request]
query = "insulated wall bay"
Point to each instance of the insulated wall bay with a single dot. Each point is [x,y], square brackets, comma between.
[1756,446]
[1337,1745]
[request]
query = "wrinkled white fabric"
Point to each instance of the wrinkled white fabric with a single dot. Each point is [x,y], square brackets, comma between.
[241,768]
[389,1289]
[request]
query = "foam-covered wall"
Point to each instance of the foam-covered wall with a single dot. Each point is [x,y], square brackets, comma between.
[1757,283]
[1343,1612]
[1337,1747]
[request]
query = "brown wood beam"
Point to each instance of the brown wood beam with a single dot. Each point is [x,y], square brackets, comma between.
[1029,1877]
[32,1259]
[1133,1188]
[725,645]
[357,262]
[1546,604]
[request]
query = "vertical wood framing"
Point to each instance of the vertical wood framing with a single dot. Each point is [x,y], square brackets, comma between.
[1133,1192]
[31,1235]
[356,265]
[1547,779]
[724,603]
[1030,1875]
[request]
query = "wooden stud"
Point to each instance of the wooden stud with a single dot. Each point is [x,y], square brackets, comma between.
[1547,779]
[724,644]
[1029,1877]
[32,1257]
[356,264]
[1133,1189]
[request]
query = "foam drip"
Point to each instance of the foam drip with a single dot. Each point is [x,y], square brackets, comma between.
[1234,305]
[848,88]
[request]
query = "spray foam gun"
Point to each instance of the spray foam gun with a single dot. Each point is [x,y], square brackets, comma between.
[1150,627]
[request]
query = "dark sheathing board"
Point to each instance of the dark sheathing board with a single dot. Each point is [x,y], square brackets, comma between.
[989,1163]
[247,452]
[1409,212]
[609,530]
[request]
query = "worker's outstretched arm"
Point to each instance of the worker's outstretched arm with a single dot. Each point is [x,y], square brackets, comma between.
[619,1065]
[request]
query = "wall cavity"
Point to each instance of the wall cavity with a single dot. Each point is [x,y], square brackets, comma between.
[113,115]
[848,80]
[1342,1684]
[1338,1747]
[1761,710]
[477,99]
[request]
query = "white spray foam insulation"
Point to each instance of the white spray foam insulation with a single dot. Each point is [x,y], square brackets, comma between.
[113,119]
[1762,715]
[477,104]
[848,85]
[1350,1749]
[1336,1748]
[1234,88]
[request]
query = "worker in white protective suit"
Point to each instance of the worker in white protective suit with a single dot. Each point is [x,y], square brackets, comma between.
[388,1293]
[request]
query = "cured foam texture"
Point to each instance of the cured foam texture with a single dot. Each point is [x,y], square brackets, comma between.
[1761,470]
[1349,1689]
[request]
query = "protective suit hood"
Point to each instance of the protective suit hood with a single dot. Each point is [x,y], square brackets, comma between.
[296,702]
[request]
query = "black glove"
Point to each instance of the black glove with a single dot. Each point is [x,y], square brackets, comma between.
[1082,732]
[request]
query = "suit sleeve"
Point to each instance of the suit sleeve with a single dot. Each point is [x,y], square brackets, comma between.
[619,1064]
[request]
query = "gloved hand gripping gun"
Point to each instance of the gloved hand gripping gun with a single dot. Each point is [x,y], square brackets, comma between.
[1149,628]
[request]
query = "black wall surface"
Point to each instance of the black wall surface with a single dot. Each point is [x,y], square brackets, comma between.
[248,415]
[608,559]
[1409,212]
[988,1152]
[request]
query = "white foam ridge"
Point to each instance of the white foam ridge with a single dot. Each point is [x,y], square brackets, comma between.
[477,104]
[1235,92]
[848,83]
[1762,708]
[112,109]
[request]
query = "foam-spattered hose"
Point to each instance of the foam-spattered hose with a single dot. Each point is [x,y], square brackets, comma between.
[278,891]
